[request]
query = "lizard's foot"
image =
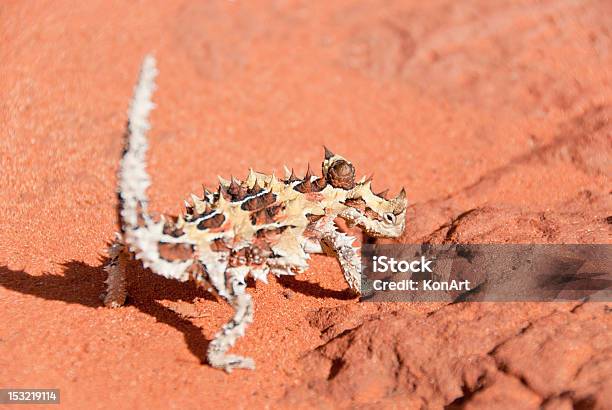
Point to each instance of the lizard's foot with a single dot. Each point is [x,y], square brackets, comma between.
[230,362]
[116,289]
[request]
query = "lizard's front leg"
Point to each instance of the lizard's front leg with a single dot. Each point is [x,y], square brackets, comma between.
[348,255]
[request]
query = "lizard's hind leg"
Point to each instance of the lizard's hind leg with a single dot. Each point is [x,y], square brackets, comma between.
[230,332]
[116,282]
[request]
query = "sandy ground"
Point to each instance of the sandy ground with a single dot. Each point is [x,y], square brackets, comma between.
[500,108]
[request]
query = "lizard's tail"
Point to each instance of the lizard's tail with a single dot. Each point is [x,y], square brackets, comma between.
[133,177]
[141,233]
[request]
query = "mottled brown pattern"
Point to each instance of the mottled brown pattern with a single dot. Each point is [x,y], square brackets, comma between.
[194,215]
[237,191]
[253,255]
[256,189]
[175,251]
[372,214]
[261,217]
[238,257]
[266,215]
[223,192]
[259,202]
[356,203]
[219,245]
[256,255]
[307,185]
[313,217]
[270,234]
[212,222]
[171,230]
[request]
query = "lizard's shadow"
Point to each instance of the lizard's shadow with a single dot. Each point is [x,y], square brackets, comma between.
[314,289]
[82,284]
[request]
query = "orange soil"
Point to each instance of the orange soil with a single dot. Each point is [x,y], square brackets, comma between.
[501,106]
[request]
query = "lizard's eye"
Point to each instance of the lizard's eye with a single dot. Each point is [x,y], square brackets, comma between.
[389,217]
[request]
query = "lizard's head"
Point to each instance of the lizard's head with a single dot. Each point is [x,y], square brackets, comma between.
[375,214]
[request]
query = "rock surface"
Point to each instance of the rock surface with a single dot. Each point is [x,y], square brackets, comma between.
[495,116]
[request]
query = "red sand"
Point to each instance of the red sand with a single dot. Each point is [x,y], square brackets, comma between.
[503,107]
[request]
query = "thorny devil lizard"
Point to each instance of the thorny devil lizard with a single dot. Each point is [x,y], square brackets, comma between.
[261,225]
